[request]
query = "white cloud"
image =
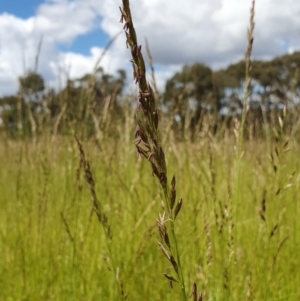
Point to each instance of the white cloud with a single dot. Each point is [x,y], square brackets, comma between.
[76,64]
[179,32]
[64,20]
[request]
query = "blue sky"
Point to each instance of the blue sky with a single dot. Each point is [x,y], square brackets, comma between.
[75,33]
[20,8]
[82,43]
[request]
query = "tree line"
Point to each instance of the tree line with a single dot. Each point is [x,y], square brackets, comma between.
[193,97]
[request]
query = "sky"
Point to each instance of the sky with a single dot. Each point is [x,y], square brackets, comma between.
[75,33]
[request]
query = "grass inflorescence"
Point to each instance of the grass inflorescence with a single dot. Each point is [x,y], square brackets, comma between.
[148,146]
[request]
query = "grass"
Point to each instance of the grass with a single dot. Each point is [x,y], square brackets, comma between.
[149,147]
[53,248]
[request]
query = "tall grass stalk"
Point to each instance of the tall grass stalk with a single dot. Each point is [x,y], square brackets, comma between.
[231,209]
[247,85]
[102,218]
[148,146]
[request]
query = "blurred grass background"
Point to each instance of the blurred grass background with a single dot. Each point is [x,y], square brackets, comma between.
[53,248]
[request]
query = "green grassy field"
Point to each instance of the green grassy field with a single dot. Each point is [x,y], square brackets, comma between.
[88,221]
[238,231]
